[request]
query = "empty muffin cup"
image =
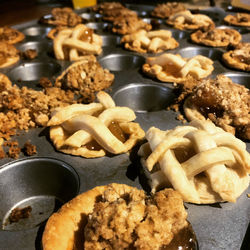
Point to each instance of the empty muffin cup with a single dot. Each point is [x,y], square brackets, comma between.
[240,78]
[119,62]
[36,31]
[32,189]
[133,95]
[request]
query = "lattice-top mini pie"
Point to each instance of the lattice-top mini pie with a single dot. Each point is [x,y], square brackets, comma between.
[10,35]
[72,44]
[225,103]
[186,20]
[239,58]
[239,19]
[95,129]
[173,68]
[202,161]
[9,55]
[149,42]
[167,9]
[216,37]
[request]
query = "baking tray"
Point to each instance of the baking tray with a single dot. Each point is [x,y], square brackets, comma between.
[217,226]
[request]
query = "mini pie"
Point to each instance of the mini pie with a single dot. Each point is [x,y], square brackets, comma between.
[9,55]
[112,14]
[10,35]
[216,37]
[239,58]
[201,161]
[239,19]
[95,129]
[73,44]
[173,68]
[62,17]
[186,20]
[149,42]
[85,77]
[102,7]
[225,103]
[129,25]
[117,216]
[167,9]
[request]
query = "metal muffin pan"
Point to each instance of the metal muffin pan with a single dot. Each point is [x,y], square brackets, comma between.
[217,226]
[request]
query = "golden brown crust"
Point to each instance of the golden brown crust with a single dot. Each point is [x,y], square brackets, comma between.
[10,35]
[239,19]
[216,37]
[239,58]
[9,55]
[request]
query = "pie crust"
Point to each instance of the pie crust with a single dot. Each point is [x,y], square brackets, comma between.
[201,161]
[239,58]
[95,129]
[239,19]
[149,42]
[73,44]
[186,20]
[173,68]
[217,37]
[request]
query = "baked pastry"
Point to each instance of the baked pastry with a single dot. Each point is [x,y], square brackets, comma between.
[201,161]
[239,57]
[225,103]
[149,42]
[239,19]
[95,129]
[129,25]
[112,14]
[102,7]
[9,55]
[85,78]
[173,68]
[72,44]
[186,20]
[62,17]
[118,216]
[217,37]
[10,35]
[165,10]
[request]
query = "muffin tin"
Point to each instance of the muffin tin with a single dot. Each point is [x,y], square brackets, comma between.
[51,178]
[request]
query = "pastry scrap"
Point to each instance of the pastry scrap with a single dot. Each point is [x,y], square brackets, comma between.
[73,44]
[239,19]
[62,17]
[217,37]
[186,20]
[9,55]
[85,77]
[95,129]
[225,103]
[167,9]
[149,42]
[173,68]
[129,25]
[201,161]
[118,216]
[10,35]
[239,57]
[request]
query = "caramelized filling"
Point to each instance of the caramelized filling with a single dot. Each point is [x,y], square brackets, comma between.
[87,35]
[185,239]
[242,59]
[171,69]
[115,130]
[3,58]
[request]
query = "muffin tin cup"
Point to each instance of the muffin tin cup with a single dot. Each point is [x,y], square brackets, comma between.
[35,187]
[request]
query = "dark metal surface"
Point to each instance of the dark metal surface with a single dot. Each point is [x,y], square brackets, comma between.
[218,226]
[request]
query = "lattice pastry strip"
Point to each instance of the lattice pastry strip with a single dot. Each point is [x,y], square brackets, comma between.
[173,68]
[203,162]
[74,43]
[88,130]
[149,42]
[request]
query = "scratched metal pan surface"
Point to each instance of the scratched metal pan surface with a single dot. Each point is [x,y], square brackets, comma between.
[36,181]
